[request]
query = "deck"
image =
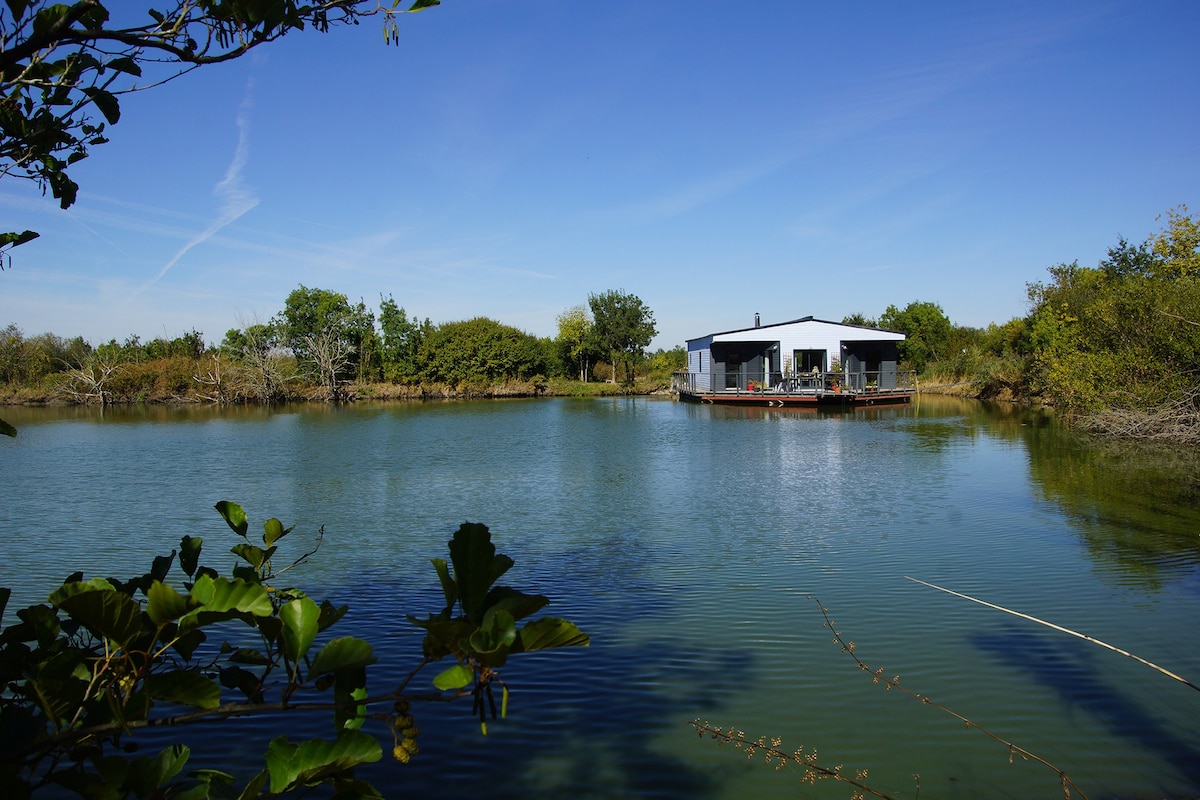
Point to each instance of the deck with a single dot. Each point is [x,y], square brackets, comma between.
[809,390]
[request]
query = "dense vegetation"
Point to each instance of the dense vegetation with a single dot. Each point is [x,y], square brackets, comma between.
[321,345]
[1116,346]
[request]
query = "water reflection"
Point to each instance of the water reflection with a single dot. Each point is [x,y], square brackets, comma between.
[684,539]
[1137,507]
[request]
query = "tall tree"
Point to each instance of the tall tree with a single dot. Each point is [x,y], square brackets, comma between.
[927,331]
[61,65]
[326,333]
[575,339]
[401,340]
[624,326]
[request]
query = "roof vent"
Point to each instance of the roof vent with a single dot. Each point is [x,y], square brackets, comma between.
[756,321]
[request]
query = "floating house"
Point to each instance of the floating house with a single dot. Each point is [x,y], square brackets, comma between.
[805,362]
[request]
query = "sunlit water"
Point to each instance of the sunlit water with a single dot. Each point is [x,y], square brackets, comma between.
[692,543]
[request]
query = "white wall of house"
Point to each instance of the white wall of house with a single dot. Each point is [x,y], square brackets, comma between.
[806,334]
[820,342]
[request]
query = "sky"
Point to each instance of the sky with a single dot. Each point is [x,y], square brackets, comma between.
[716,159]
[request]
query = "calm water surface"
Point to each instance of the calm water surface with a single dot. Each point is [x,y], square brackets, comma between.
[690,542]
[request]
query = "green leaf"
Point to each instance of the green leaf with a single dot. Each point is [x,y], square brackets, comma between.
[147,775]
[210,784]
[185,687]
[17,7]
[349,690]
[244,681]
[498,631]
[125,64]
[343,653]
[449,587]
[104,611]
[106,102]
[254,556]
[299,618]
[189,553]
[223,594]
[246,655]
[15,239]
[234,516]
[292,765]
[186,643]
[254,787]
[422,4]
[443,636]
[273,531]
[476,567]
[330,615]
[165,604]
[517,603]
[222,599]
[455,677]
[38,623]
[548,633]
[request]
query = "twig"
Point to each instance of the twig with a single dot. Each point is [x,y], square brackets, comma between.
[894,683]
[1060,628]
[775,755]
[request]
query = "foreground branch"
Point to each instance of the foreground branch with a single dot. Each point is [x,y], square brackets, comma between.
[1061,629]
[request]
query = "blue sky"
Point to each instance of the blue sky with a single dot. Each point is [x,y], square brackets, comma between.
[716,159]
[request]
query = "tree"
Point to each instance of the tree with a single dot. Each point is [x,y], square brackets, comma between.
[927,332]
[1178,244]
[480,351]
[106,660]
[400,340]
[326,332]
[61,65]
[624,327]
[264,367]
[575,339]
[91,379]
[858,318]
[1124,334]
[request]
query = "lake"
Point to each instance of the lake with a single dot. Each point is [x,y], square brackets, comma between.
[693,543]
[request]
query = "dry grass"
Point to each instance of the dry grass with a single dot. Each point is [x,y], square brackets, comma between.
[1177,421]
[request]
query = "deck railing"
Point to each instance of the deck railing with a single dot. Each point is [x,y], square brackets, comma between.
[813,383]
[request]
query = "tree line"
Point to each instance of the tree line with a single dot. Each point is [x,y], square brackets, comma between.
[1123,336]
[321,344]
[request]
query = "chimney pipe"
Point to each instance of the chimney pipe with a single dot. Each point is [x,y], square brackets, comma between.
[756,322]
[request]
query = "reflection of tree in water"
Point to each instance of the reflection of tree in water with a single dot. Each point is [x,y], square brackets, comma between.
[1136,506]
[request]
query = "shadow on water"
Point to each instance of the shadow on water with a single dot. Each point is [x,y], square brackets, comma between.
[1065,668]
[599,722]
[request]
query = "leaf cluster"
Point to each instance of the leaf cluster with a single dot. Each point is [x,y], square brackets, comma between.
[1124,334]
[478,626]
[624,326]
[103,659]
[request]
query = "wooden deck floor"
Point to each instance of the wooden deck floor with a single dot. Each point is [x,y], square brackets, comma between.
[805,399]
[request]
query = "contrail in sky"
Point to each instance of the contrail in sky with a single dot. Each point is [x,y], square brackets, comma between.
[236,198]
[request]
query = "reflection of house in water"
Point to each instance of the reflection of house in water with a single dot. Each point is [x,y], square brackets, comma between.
[803,362]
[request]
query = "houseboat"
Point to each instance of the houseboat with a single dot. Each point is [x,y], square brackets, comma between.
[806,362]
